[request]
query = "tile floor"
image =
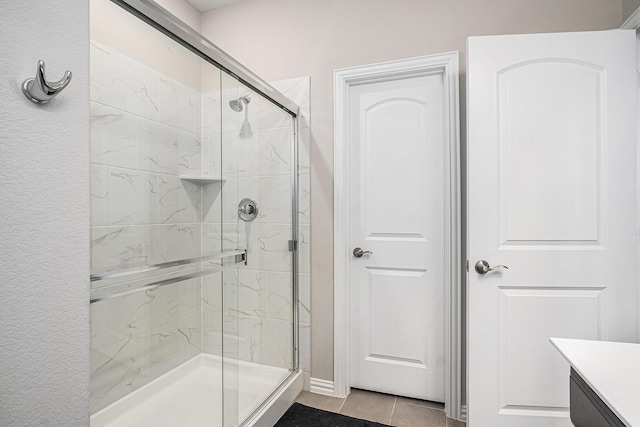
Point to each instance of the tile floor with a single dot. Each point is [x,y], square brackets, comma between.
[383,408]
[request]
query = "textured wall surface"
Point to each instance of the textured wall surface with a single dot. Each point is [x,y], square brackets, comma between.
[287,38]
[44,218]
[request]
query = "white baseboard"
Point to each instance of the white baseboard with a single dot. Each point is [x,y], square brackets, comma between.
[463,413]
[321,387]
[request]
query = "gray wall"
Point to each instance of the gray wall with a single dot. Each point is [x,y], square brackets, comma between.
[280,39]
[44,218]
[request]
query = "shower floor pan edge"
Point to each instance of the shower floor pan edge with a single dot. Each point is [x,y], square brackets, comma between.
[191,395]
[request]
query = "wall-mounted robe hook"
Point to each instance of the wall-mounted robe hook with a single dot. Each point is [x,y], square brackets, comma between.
[39,90]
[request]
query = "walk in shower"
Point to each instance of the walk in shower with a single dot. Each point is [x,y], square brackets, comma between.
[193,228]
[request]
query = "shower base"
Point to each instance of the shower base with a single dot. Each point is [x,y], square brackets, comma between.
[191,395]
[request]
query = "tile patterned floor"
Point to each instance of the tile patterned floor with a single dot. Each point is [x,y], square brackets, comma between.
[383,408]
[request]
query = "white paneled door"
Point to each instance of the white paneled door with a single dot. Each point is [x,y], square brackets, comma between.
[551,195]
[397,173]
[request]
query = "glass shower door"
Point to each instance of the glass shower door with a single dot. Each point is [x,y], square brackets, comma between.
[257,153]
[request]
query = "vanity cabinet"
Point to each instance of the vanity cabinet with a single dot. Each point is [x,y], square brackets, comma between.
[604,384]
[586,408]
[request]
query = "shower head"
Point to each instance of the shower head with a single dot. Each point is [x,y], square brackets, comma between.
[236,104]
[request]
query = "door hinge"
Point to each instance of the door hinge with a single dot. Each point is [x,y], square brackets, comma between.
[293,245]
[467,266]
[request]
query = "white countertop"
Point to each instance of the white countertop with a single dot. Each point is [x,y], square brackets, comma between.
[612,369]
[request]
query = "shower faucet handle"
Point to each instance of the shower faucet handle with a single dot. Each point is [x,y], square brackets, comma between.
[247,209]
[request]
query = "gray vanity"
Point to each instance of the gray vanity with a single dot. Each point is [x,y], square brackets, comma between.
[604,382]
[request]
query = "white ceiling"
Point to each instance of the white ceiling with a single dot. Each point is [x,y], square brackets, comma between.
[204,5]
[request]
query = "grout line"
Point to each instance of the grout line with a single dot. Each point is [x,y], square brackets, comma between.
[395,401]
[343,402]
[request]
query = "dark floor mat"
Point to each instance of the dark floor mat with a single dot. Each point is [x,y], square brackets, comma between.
[303,416]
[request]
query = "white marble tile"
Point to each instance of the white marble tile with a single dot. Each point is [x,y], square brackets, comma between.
[197,97]
[167,310]
[132,315]
[188,297]
[190,334]
[250,339]
[212,156]
[212,293]
[280,292]
[100,195]
[230,153]
[231,294]
[252,294]
[156,244]
[304,248]
[212,238]
[248,121]
[229,200]
[304,199]
[190,160]
[100,324]
[275,152]
[211,113]
[277,203]
[230,119]
[163,347]
[99,72]
[157,147]
[297,90]
[304,345]
[212,333]
[178,105]
[189,240]
[272,116]
[169,209]
[267,246]
[211,208]
[232,236]
[111,248]
[112,372]
[304,298]
[133,87]
[134,197]
[113,137]
[304,145]
[248,152]
[266,341]
[189,202]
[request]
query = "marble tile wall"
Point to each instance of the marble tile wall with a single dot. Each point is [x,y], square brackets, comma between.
[256,320]
[146,131]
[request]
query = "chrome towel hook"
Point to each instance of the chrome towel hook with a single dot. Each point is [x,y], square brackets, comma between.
[39,90]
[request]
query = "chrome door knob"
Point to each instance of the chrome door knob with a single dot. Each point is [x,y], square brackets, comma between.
[358,252]
[482,267]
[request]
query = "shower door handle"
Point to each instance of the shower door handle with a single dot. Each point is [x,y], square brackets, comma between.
[358,252]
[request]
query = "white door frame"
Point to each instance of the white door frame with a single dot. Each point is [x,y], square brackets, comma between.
[445,64]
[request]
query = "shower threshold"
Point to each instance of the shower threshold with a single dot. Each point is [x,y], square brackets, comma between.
[192,395]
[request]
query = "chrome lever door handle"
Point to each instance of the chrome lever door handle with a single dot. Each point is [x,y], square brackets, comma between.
[483,267]
[358,252]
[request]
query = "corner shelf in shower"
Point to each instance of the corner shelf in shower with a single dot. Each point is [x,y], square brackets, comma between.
[202,179]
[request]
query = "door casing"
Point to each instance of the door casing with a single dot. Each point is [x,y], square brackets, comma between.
[445,64]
